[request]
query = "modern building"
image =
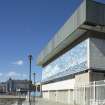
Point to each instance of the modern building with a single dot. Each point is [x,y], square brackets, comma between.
[14,86]
[76,53]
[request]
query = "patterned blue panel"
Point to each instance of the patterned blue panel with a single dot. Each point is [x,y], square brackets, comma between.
[73,61]
[78,68]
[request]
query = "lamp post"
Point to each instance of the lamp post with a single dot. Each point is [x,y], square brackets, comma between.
[34,86]
[30,62]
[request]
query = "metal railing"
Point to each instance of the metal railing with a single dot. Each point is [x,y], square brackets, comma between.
[90,94]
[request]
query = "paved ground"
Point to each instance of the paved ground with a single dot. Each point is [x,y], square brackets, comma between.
[10,100]
[38,101]
[42,102]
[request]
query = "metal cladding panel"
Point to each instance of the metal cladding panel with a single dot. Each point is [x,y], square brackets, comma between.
[71,30]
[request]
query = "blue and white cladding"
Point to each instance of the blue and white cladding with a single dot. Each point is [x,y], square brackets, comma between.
[73,61]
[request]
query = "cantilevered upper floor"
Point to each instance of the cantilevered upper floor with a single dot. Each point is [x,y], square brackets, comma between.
[89,16]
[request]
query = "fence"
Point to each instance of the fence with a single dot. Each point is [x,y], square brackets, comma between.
[90,94]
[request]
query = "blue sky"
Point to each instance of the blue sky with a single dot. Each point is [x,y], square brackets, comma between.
[25,27]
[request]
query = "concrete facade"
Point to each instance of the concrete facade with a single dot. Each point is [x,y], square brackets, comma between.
[75,55]
[84,18]
[59,91]
[61,96]
[65,95]
[97,53]
[89,76]
[63,90]
[61,85]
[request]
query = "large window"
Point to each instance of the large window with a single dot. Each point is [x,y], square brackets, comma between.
[75,60]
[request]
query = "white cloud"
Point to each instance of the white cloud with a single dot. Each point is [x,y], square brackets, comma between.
[13,74]
[19,62]
[16,75]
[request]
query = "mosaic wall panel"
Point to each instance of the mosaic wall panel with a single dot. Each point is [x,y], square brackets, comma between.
[75,60]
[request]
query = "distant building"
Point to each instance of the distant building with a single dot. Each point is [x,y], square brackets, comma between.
[3,88]
[14,86]
[76,54]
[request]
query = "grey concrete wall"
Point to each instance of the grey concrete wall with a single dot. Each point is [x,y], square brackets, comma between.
[97,54]
[95,8]
[82,78]
[45,95]
[67,96]
[71,97]
[96,76]
[89,76]
[62,96]
[52,95]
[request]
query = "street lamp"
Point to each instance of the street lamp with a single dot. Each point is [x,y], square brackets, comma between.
[34,87]
[30,62]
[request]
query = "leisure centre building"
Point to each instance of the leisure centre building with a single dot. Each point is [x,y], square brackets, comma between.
[76,54]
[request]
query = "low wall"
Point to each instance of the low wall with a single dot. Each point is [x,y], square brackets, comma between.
[62,96]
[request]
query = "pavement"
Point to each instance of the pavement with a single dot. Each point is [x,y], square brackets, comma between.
[40,101]
[11,100]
